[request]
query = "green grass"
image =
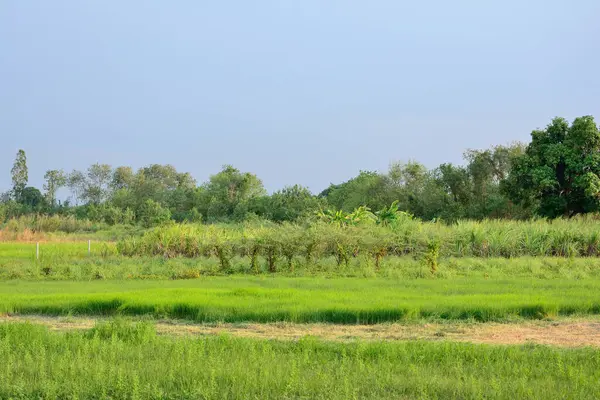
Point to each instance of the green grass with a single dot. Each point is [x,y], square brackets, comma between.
[336,300]
[70,261]
[121,361]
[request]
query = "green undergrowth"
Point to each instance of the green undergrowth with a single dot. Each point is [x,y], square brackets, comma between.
[71,261]
[122,361]
[335,300]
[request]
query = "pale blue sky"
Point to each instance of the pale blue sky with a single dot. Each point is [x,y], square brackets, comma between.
[306,92]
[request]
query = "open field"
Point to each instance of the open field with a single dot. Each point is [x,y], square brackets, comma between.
[336,300]
[117,360]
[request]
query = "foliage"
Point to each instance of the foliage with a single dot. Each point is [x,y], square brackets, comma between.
[55,179]
[32,198]
[152,213]
[291,204]
[345,240]
[559,172]
[556,175]
[227,192]
[19,175]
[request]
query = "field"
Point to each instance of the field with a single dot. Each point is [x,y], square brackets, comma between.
[334,300]
[117,360]
[255,317]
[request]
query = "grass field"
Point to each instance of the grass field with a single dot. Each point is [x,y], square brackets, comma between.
[337,300]
[122,361]
[119,360]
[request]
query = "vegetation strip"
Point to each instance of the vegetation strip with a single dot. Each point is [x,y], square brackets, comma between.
[564,333]
[336,300]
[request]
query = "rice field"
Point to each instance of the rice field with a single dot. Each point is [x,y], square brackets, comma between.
[333,300]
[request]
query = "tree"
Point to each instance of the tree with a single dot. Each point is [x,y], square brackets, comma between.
[290,204]
[123,178]
[152,213]
[228,192]
[559,172]
[76,182]
[93,186]
[55,179]
[99,178]
[369,188]
[32,198]
[19,175]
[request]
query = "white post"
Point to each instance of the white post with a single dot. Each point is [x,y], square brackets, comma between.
[89,247]
[37,251]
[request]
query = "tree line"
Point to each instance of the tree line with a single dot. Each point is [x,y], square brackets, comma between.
[555,175]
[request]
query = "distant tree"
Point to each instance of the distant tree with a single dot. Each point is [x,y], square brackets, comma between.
[368,188]
[122,178]
[32,198]
[19,175]
[152,213]
[99,177]
[158,182]
[55,179]
[76,181]
[559,172]
[93,186]
[228,192]
[291,204]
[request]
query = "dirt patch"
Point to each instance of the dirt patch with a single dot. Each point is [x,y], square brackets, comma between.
[566,333]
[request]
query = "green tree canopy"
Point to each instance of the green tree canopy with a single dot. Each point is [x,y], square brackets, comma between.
[227,193]
[55,179]
[559,172]
[19,174]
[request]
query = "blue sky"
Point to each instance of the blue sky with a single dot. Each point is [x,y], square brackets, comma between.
[306,92]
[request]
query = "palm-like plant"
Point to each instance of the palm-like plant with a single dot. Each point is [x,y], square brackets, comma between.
[333,217]
[360,214]
[388,215]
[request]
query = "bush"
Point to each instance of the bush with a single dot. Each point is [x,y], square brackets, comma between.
[152,213]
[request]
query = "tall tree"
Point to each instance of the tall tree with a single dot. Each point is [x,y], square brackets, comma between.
[99,178]
[227,193]
[559,172]
[93,186]
[55,179]
[19,175]
[76,182]
[122,178]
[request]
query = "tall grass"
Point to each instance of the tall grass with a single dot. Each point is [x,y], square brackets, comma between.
[130,362]
[70,261]
[341,300]
[561,238]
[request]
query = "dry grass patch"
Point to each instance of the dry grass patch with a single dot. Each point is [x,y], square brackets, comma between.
[563,333]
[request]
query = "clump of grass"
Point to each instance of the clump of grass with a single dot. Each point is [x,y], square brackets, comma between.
[121,329]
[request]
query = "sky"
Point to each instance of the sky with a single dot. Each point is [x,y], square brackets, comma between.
[298,92]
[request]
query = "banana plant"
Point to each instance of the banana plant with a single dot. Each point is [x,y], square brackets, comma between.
[388,215]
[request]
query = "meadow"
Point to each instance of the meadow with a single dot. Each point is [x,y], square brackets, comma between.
[129,361]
